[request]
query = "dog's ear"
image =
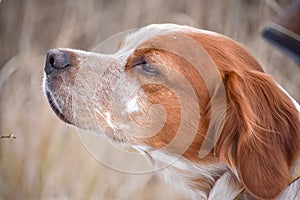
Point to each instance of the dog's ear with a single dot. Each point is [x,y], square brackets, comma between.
[260,138]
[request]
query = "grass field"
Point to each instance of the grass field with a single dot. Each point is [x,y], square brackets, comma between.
[47,160]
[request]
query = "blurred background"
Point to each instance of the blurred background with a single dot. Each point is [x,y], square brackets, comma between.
[47,160]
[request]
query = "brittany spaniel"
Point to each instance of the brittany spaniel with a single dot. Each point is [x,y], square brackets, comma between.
[174,91]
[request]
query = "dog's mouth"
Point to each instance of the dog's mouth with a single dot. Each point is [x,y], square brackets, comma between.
[56,110]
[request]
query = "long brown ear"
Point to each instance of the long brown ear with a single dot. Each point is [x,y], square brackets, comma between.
[260,138]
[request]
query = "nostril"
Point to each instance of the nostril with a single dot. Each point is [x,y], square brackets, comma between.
[51,61]
[56,59]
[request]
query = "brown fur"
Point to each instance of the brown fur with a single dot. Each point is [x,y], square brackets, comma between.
[261,136]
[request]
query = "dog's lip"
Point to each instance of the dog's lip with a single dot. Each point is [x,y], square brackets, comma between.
[56,110]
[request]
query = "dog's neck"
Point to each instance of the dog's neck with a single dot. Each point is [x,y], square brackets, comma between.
[219,178]
[198,181]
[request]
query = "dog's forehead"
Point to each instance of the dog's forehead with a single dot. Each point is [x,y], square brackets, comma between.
[136,38]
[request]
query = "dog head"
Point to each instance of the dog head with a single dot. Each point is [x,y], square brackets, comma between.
[193,92]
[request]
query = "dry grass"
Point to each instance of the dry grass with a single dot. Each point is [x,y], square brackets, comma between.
[47,160]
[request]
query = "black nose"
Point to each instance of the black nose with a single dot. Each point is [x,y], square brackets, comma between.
[56,60]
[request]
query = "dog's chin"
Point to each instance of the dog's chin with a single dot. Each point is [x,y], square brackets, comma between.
[56,109]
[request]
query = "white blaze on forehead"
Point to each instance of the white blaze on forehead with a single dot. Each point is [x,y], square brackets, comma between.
[132,105]
[143,34]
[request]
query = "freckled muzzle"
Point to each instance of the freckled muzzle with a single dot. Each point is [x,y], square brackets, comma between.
[60,73]
[56,61]
[87,90]
[56,109]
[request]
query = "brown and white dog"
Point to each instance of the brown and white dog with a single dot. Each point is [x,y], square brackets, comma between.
[194,95]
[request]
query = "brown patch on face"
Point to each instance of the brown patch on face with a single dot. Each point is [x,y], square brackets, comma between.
[171,68]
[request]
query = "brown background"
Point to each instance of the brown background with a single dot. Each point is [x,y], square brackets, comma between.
[47,160]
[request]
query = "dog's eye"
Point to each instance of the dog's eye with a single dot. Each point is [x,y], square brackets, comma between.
[146,67]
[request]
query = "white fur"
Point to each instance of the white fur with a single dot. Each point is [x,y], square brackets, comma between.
[180,173]
[292,192]
[223,188]
[132,105]
[108,120]
[152,30]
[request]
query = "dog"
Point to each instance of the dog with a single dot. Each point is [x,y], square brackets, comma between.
[195,97]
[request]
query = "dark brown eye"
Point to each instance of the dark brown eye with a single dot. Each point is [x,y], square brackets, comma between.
[144,66]
[148,68]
